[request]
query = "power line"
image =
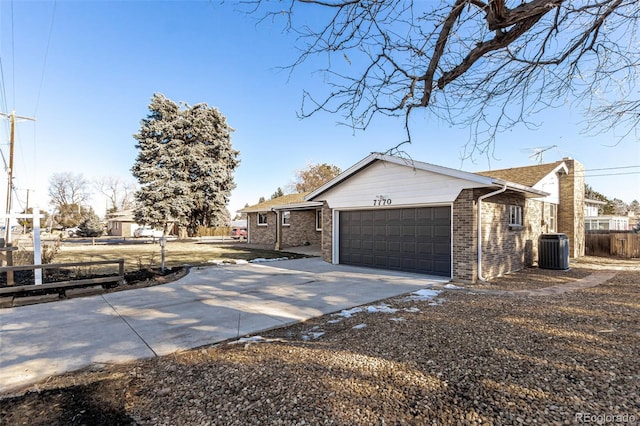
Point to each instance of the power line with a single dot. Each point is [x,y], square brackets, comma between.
[13,58]
[612,168]
[614,174]
[46,55]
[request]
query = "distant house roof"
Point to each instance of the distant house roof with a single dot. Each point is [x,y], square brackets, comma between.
[121,216]
[286,202]
[527,175]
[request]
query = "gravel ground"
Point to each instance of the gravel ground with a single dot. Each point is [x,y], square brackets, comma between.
[459,358]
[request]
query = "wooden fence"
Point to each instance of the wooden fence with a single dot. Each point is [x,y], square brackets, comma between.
[612,244]
[223,231]
[17,289]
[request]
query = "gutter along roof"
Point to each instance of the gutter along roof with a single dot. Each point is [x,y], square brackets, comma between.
[286,202]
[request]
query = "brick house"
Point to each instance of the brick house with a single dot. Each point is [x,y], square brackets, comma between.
[393,213]
[285,221]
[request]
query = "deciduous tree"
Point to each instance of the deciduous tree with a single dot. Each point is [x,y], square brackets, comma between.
[185,165]
[120,194]
[314,176]
[484,65]
[67,188]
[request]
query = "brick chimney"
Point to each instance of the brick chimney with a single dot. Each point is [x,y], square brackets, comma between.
[571,207]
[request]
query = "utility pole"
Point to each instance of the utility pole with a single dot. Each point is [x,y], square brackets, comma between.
[12,117]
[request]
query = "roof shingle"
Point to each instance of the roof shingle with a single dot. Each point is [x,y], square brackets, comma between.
[528,175]
[280,201]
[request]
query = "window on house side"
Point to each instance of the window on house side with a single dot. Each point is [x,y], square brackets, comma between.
[262,219]
[286,218]
[515,215]
[318,220]
[553,217]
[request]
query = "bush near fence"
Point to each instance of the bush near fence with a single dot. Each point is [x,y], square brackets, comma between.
[612,244]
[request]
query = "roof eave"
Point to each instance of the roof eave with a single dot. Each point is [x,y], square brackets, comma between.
[526,190]
[292,206]
[483,180]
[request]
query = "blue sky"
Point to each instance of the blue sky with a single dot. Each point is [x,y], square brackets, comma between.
[105,60]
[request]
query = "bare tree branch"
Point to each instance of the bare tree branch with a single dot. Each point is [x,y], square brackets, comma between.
[484,66]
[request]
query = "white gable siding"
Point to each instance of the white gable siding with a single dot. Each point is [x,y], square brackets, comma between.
[550,184]
[403,185]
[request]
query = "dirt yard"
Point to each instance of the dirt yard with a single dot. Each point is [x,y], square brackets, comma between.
[456,357]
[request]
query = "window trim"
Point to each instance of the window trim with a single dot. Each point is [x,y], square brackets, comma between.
[259,222]
[515,216]
[553,218]
[286,215]
[318,219]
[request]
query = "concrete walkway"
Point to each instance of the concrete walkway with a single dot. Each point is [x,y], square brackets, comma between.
[208,305]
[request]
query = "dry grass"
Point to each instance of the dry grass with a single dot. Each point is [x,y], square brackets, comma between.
[145,254]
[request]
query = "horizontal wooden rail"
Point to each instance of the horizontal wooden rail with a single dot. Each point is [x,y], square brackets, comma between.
[17,289]
[61,265]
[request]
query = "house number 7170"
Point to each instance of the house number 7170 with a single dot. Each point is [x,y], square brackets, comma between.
[382,201]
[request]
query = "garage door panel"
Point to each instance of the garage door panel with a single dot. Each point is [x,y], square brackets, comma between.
[425,249]
[442,231]
[394,246]
[408,247]
[395,231]
[413,239]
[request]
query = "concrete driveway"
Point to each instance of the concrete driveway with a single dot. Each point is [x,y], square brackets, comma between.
[208,305]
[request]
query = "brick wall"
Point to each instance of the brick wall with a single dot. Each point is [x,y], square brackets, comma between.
[327,233]
[504,249]
[571,208]
[508,248]
[302,229]
[465,261]
[262,234]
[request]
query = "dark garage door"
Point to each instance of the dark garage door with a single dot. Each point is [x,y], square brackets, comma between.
[413,240]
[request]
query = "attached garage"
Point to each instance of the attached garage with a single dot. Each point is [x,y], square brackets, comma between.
[407,239]
[394,213]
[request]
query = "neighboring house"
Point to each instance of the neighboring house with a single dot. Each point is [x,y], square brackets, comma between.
[393,213]
[592,207]
[594,222]
[285,221]
[121,224]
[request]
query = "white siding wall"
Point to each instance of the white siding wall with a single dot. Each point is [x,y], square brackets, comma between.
[550,184]
[402,184]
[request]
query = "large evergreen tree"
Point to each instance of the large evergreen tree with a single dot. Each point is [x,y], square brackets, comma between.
[184,166]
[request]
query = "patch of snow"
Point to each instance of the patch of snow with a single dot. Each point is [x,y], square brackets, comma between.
[348,313]
[453,287]
[359,326]
[424,294]
[252,339]
[412,309]
[334,321]
[397,319]
[263,259]
[216,261]
[384,308]
[241,262]
[436,302]
[317,334]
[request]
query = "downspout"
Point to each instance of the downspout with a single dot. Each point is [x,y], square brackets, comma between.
[482,197]
[278,244]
